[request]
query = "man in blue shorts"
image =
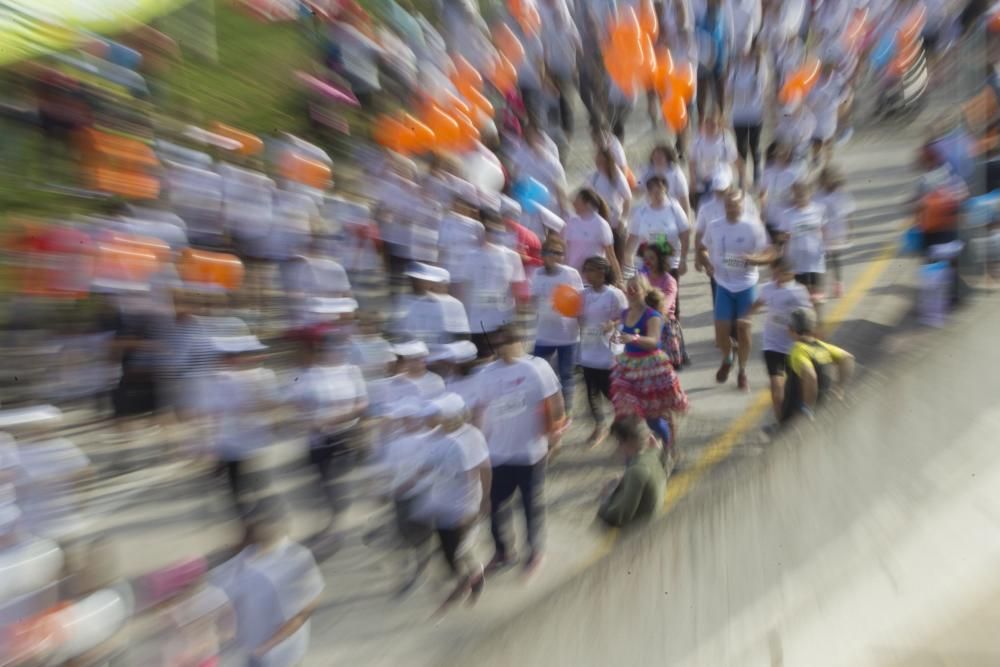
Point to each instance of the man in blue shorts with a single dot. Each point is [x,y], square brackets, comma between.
[731,250]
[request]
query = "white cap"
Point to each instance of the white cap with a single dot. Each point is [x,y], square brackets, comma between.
[431,274]
[441,274]
[550,220]
[722,178]
[450,405]
[327,306]
[458,352]
[413,348]
[237,344]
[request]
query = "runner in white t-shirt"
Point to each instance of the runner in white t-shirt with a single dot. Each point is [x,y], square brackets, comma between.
[557,335]
[781,297]
[457,463]
[602,307]
[839,206]
[659,215]
[663,160]
[800,229]
[714,147]
[523,419]
[731,250]
[588,233]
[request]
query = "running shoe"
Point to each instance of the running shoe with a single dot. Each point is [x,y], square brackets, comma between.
[534,564]
[742,382]
[499,564]
[837,290]
[722,374]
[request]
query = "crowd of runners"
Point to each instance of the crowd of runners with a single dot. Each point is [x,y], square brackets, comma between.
[436,324]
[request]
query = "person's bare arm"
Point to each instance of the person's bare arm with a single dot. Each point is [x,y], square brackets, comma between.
[555,411]
[616,269]
[631,247]
[651,341]
[486,482]
[810,386]
[287,630]
[685,248]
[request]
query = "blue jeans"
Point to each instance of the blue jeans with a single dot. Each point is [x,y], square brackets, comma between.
[566,358]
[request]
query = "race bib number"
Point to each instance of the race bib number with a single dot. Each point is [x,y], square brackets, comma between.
[490,300]
[735,262]
[594,336]
[511,405]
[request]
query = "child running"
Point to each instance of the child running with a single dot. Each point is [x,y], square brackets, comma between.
[643,382]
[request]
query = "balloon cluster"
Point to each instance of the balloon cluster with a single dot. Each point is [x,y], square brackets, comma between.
[800,82]
[634,64]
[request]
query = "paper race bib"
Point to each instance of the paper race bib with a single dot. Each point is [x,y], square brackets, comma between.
[511,405]
[593,336]
[735,261]
[490,299]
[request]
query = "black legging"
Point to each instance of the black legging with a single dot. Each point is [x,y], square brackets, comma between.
[748,143]
[598,382]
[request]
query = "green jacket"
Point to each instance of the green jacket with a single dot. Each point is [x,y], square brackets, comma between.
[639,494]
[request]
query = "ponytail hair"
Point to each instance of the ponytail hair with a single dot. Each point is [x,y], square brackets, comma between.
[591,197]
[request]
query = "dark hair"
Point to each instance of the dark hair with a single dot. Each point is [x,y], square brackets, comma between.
[506,334]
[669,152]
[605,153]
[588,195]
[781,264]
[772,151]
[656,178]
[803,321]
[602,265]
[662,258]
[631,429]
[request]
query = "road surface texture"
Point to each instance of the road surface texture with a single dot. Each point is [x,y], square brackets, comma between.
[746,519]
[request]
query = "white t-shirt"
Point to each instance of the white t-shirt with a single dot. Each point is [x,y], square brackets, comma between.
[775,183]
[456,320]
[457,236]
[824,102]
[714,208]
[324,392]
[421,318]
[541,163]
[514,422]
[728,245]
[709,153]
[649,223]
[839,206]
[796,130]
[586,237]
[371,353]
[553,328]
[487,275]
[596,348]
[456,491]
[781,302]
[9,464]
[428,386]
[749,84]
[401,457]
[237,398]
[804,248]
[614,191]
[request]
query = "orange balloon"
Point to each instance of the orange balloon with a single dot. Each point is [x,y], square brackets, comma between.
[298,168]
[124,263]
[912,26]
[648,68]
[675,112]
[791,91]
[446,129]
[504,75]
[807,75]
[468,133]
[423,136]
[392,134]
[624,74]
[994,23]
[478,102]
[465,75]
[452,102]
[567,301]
[648,22]
[211,268]
[508,44]
[664,68]
[682,82]
[155,247]
[249,143]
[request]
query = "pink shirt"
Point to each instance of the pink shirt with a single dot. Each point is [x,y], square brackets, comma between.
[668,286]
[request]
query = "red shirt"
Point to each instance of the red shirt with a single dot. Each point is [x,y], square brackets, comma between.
[528,246]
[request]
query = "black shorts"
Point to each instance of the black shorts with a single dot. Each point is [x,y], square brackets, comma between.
[810,280]
[776,362]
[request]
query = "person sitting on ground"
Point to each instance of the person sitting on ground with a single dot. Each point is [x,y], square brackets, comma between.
[810,367]
[638,494]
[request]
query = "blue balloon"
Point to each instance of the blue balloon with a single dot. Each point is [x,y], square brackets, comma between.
[883,53]
[530,194]
[123,56]
[913,241]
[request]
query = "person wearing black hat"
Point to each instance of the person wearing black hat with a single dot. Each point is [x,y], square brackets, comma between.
[815,369]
